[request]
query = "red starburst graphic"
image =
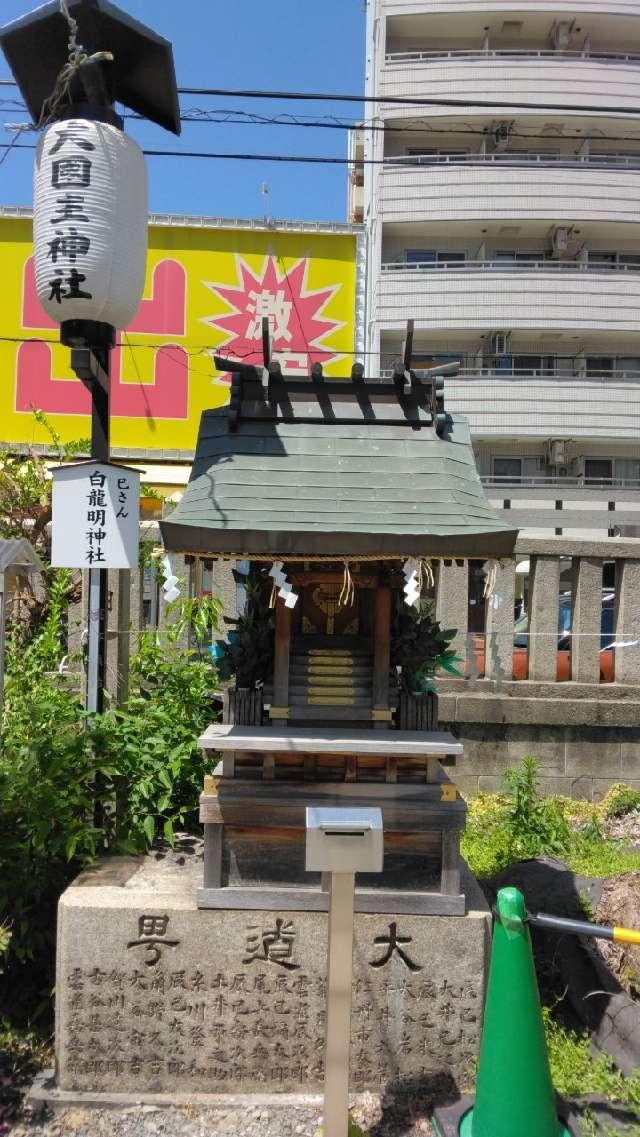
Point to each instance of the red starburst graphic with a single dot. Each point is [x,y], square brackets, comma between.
[295,313]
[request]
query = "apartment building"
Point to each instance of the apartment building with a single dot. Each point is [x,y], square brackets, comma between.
[504,218]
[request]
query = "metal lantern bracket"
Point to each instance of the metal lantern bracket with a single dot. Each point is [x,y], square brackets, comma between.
[142,75]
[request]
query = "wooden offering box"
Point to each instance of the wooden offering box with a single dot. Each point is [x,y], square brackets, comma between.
[253,811]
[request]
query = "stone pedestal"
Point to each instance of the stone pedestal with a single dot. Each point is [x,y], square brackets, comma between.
[157,996]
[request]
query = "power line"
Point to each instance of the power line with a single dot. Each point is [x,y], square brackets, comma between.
[400,160]
[397,100]
[390,100]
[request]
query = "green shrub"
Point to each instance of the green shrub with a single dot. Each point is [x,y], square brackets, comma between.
[619,800]
[515,826]
[149,745]
[534,824]
[140,764]
[47,771]
[420,647]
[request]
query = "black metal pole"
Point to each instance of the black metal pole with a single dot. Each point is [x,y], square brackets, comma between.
[99,591]
[91,364]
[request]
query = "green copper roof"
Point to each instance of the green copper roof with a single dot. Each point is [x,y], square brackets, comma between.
[335,487]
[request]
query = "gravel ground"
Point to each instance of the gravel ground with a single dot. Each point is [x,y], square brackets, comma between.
[396,1120]
[625,828]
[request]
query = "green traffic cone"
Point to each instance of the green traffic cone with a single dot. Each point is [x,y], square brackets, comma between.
[514,1091]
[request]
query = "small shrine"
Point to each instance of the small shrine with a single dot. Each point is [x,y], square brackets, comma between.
[338,504]
[344,497]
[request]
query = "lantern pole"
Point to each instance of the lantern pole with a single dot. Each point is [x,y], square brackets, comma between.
[75,61]
[91,365]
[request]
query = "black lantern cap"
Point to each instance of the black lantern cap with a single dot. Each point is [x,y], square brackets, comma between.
[142,75]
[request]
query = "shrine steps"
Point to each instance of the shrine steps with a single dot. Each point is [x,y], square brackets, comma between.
[330,677]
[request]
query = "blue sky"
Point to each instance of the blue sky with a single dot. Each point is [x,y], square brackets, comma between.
[281,45]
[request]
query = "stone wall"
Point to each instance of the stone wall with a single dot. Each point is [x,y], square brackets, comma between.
[583,743]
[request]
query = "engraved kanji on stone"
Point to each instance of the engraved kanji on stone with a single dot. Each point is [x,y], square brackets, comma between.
[152,935]
[393,941]
[272,946]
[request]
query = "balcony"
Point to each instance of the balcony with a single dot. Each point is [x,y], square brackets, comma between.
[566,503]
[531,78]
[511,186]
[546,406]
[545,295]
[483,9]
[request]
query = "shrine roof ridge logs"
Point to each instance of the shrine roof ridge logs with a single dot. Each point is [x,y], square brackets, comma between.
[314,467]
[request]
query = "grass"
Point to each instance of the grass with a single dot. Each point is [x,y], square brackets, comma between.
[519,824]
[22,1053]
[576,1071]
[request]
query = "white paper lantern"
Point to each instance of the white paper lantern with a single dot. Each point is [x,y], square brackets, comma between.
[89,222]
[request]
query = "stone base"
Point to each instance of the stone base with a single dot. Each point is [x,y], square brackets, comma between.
[156,996]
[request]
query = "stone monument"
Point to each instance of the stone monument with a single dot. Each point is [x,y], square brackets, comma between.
[340,499]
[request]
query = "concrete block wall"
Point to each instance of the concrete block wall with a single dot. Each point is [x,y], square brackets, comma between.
[580,762]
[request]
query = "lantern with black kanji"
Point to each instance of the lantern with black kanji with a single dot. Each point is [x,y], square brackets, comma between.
[73,63]
[89,222]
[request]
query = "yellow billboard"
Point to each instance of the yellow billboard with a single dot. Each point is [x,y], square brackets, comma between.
[207,289]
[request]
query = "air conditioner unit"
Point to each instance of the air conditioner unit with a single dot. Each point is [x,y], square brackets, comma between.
[500,343]
[557,452]
[559,241]
[501,134]
[561,34]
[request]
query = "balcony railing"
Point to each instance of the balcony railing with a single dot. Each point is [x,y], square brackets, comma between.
[523,374]
[560,483]
[542,265]
[513,158]
[511,53]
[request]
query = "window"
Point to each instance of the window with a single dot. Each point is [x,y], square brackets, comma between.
[602,260]
[534,364]
[598,469]
[599,365]
[433,256]
[433,358]
[511,256]
[421,256]
[507,468]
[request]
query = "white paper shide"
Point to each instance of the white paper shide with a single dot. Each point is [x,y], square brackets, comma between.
[89,223]
[95,516]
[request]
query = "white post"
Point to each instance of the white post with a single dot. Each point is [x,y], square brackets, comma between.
[336,1070]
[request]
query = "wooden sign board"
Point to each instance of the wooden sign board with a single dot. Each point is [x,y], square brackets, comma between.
[95,516]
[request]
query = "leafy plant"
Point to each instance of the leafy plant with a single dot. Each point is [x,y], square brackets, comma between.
[47,774]
[504,828]
[141,760]
[619,800]
[420,647]
[248,653]
[533,824]
[149,744]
